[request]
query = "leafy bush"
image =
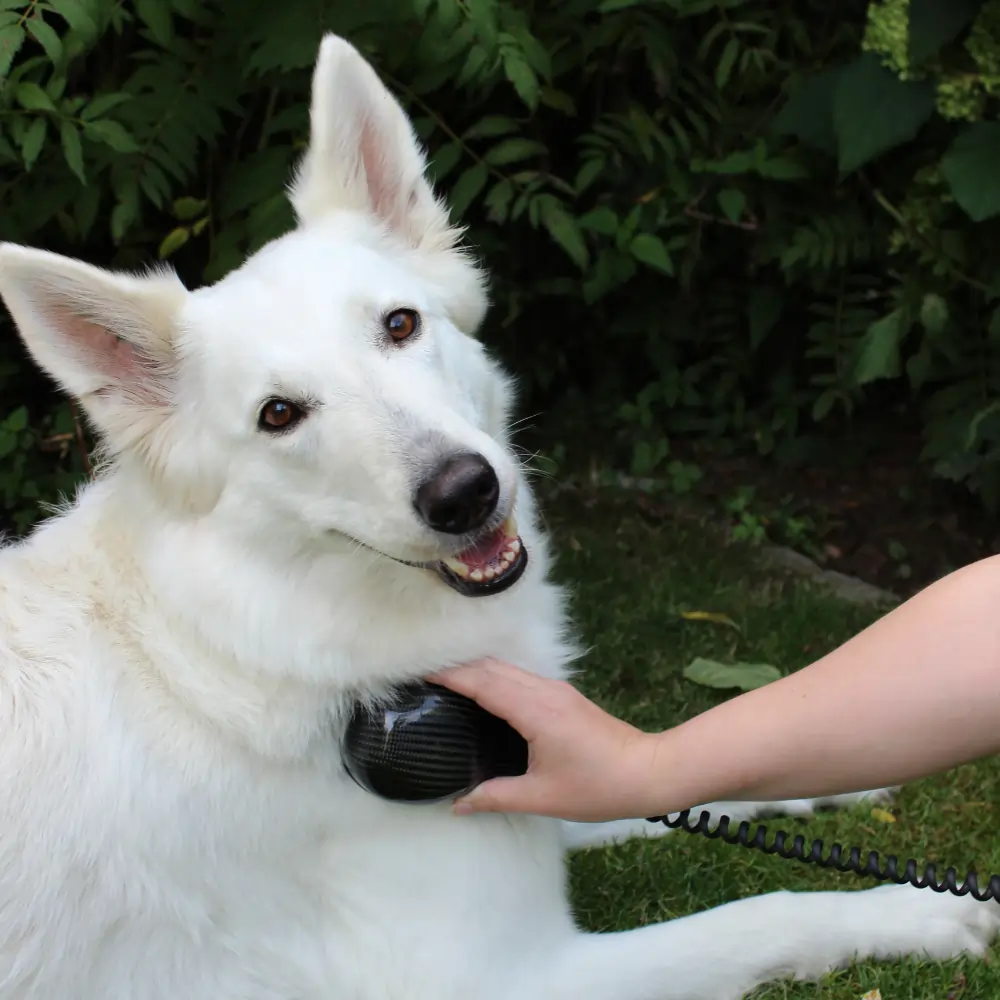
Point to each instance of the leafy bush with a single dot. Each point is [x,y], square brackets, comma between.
[738,218]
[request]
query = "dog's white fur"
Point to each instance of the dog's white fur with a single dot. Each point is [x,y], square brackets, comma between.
[178,646]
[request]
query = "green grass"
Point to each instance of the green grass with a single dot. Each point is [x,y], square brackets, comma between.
[630,580]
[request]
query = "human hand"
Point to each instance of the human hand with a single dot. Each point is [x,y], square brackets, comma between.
[583,763]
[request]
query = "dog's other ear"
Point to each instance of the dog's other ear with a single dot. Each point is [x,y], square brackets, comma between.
[363,154]
[105,338]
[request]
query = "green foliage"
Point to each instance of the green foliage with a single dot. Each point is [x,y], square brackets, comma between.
[742,676]
[731,218]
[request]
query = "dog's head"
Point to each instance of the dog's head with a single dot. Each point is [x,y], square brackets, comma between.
[329,391]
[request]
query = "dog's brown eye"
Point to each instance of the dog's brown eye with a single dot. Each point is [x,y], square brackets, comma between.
[402,323]
[279,415]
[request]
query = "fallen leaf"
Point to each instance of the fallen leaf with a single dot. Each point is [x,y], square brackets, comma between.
[873,995]
[883,816]
[745,676]
[710,616]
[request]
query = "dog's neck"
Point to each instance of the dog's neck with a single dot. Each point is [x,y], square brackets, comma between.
[188,618]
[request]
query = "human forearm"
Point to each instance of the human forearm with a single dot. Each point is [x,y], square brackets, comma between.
[916,693]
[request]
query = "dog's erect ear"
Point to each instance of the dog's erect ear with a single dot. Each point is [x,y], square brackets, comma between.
[363,154]
[105,338]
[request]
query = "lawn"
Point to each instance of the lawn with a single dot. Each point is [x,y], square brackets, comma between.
[631,579]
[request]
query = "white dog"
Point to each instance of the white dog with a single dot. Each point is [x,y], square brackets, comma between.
[307,486]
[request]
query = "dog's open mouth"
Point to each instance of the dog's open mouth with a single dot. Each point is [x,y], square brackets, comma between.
[493,564]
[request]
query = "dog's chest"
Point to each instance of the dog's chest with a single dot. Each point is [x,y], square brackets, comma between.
[295,886]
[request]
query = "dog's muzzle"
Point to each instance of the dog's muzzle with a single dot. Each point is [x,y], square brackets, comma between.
[460,497]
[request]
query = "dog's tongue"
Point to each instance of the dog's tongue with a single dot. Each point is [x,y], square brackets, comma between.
[486,551]
[489,558]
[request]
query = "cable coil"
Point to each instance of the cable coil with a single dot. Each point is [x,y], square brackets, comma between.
[836,858]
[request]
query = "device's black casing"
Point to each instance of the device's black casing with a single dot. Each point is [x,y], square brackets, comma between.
[426,743]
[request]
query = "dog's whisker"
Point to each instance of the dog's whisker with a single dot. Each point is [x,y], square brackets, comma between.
[521,421]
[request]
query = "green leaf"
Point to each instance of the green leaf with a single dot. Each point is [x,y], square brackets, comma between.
[56,87]
[824,404]
[782,168]
[934,314]
[972,169]
[17,421]
[467,187]
[984,426]
[112,134]
[8,443]
[741,161]
[599,220]
[102,104]
[156,15]
[744,676]
[75,14]
[497,202]
[32,143]
[874,111]
[72,149]
[46,37]
[728,58]
[11,40]
[879,357]
[173,241]
[733,202]
[124,214]
[512,150]
[650,250]
[445,160]
[489,126]
[522,76]
[934,23]
[588,173]
[808,114]
[187,208]
[563,228]
[558,100]
[483,20]
[31,97]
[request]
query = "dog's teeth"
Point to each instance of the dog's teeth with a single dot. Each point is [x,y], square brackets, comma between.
[515,546]
[506,561]
[489,573]
[457,566]
[476,575]
[510,527]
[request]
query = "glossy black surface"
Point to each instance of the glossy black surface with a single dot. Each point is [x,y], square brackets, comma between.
[428,744]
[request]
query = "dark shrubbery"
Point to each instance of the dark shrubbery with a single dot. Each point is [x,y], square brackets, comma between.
[740,218]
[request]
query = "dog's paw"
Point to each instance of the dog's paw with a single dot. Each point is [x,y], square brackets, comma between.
[850,800]
[921,923]
[804,808]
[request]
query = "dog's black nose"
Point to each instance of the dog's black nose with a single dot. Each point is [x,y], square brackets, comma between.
[460,496]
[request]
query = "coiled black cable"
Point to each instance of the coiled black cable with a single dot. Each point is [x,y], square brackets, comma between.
[835,859]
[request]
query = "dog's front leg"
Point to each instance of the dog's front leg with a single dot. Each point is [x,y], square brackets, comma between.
[579,836]
[723,953]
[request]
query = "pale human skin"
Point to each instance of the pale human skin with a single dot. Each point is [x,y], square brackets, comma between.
[915,694]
